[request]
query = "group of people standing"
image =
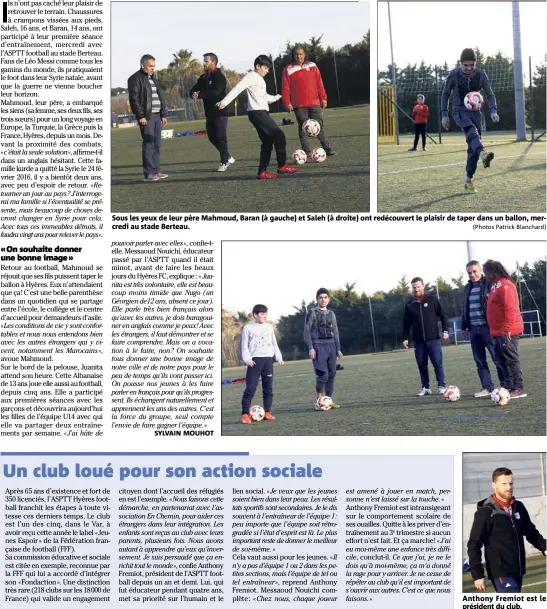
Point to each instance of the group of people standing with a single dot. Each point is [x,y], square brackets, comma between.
[302,92]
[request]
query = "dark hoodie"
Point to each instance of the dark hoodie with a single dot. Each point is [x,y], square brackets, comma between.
[502,535]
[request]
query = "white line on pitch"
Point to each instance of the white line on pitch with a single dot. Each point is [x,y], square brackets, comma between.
[501,158]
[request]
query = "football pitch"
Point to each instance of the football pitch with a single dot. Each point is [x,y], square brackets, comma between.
[339,184]
[432,181]
[534,580]
[377,395]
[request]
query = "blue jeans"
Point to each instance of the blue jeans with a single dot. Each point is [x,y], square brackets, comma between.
[507,585]
[429,350]
[151,143]
[481,341]
[263,368]
[473,125]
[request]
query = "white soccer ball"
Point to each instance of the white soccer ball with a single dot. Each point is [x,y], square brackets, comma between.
[318,155]
[452,394]
[323,403]
[299,157]
[311,127]
[256,413]
[473,101]
[500,396]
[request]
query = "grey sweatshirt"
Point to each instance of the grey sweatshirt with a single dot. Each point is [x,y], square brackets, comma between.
[258,340]
[320,325]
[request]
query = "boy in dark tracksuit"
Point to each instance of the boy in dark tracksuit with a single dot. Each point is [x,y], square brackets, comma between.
[500,525]
[323,342]
[211,88]
[463,80]
[422,314]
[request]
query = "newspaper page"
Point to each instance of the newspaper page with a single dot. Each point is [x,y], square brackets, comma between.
[273,304]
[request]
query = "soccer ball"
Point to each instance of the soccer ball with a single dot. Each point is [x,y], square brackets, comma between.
[256,413]
[318,155]
[299,157]
[323,403]
[452,394]
[473,101]
[500,396]
[311,127]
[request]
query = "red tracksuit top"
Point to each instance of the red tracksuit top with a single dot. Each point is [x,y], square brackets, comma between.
[420,113]
[502,309]
[302,86]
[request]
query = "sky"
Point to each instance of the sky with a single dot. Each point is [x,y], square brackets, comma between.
[236,31]
[291,271]
[429,31]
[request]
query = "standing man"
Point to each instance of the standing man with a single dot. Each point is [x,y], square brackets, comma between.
[211,88]
[475,327]
[500,524]
[422,314]
[147,104]
[303,91]
[505,323]
[323,341]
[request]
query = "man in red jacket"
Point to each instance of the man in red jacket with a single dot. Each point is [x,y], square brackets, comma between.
[505,323]
[303,91]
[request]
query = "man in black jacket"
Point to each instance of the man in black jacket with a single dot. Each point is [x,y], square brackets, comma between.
[147,104]
[211,88]
[500,525]
[475,327]
[422,314]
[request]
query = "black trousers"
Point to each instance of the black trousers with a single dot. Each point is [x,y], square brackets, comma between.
[270,135]
[217,129]
[419,129]
[263,368]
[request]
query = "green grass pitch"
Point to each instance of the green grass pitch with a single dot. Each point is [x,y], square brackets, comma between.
[534,580]
[340,184]
[377,394]
[432,181]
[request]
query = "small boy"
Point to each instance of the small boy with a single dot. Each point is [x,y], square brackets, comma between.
[420,112]
[323,342]
[461,81]
[258,112]
[258,349]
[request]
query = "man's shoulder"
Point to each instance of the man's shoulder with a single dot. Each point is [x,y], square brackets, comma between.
[135,76]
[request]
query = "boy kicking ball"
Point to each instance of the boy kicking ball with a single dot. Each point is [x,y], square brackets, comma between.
[463,80]
[258,112]
[258,349]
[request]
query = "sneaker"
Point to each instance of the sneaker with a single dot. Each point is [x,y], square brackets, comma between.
[223,167]
[268,416]
[330,152]
[424,391]
[469,187]
[412,150]
[246,419]
[161,176]
[483,393]
[424,149]
[517,393]
[442,390]
[487,159]
[266,175]
[231,160]
[287,169]
[152,178]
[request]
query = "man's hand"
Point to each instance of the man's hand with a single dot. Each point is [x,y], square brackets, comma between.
[495,118]
[313,355]
[445,121]
[445,335]
[405,344]
[143,122]
[340,354]
[251,364]
[195,95]
[220,105]
[163,122]
[290,108]
[479,585]
[507,336]
[323,104]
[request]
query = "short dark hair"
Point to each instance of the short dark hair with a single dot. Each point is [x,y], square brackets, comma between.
[472,263]
[263,60]
[417,279]
[468,55]
[146,58]
[212,56]
[322,291]
[501,471]
[496,269]
[260,308]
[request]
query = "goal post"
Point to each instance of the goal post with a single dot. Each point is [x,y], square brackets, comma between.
[386,115]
